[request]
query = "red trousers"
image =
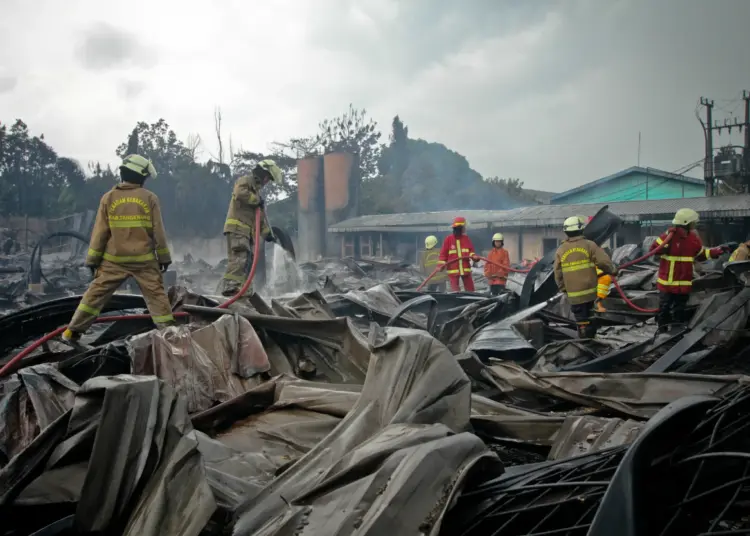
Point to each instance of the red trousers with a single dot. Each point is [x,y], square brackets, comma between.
[468,282]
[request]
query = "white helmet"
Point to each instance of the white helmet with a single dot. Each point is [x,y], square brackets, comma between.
[574,223]
[430,242]
[685,216]
[497,236]
[139,164]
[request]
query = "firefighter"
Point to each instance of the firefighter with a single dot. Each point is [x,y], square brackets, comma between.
[496,271]
[603,282]
[429,261]
[675,277]
[458,246]
[239,227]
[128,239]
[742,253]
[576,261]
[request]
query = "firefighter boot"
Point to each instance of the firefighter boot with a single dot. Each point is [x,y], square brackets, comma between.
[582,333]
[590,331]
[73,339]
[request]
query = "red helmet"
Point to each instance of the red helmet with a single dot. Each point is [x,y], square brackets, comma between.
[459,221]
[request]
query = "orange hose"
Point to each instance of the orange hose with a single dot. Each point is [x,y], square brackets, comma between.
[256,250]
[485,259]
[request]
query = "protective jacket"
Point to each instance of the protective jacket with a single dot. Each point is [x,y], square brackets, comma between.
[128,228]
[676,265]
[576,261]
[245,201]
[429,259]
[453,248]
[497,275]
[742,253]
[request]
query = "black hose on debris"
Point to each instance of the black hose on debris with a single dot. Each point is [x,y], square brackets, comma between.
[35,274]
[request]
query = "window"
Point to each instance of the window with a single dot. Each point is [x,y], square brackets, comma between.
[365,246]
[347,246]
[549,244]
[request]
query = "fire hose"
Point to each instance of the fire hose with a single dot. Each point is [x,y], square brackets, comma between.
[105,319]
[642,258]
[616,284]
[436,270]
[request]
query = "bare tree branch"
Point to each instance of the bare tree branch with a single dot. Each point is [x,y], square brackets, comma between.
[217,127]
[193,144]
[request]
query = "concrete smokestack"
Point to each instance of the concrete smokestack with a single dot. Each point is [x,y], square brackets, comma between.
[311,216]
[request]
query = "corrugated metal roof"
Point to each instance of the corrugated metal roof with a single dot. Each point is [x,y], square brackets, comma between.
[548,215]
[626,172]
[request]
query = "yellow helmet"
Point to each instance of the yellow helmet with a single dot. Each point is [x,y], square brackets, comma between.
[497,236]
[275,171]
[430,242]
[140,165]
[685,216]
[574,223]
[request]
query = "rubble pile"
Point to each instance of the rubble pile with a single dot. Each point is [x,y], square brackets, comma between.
[361,406]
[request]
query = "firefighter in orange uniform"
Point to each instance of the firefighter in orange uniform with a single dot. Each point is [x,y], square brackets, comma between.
[602,289]
[128,240]
[458,246]
[496,271]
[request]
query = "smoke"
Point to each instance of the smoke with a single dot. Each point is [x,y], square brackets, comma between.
[438,179]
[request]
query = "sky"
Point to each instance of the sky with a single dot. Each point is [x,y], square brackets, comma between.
[554,92]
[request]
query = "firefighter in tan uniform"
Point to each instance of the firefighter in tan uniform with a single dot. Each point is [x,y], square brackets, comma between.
[429,261]
[576,262]
[128,240]
[239,227]
[742,253]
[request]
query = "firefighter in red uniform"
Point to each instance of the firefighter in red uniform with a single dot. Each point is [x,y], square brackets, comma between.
[458,245]
[675,278]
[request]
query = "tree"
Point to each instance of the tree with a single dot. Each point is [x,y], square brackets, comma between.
[353,132]
[182,183]
[29,181]
[133,142]
[245,161]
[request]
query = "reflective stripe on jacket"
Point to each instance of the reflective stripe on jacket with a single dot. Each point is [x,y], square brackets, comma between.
[676,264]
[428,262]
[241,213]
[576,261]
[497,274]
[742,253]
[128,228]
[602,285]
[452,246]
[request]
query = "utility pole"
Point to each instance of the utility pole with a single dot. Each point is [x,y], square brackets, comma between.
[746,148]
[708,163]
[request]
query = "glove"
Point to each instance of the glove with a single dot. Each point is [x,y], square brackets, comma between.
[270,238]
[729,247]
[262,203]
[92,269]
[163,266]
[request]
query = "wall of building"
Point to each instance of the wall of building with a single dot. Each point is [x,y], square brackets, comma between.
[634,187]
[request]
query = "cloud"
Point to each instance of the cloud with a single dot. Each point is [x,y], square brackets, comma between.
[7,83]
[105,46]
[554,92]
[130,89]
